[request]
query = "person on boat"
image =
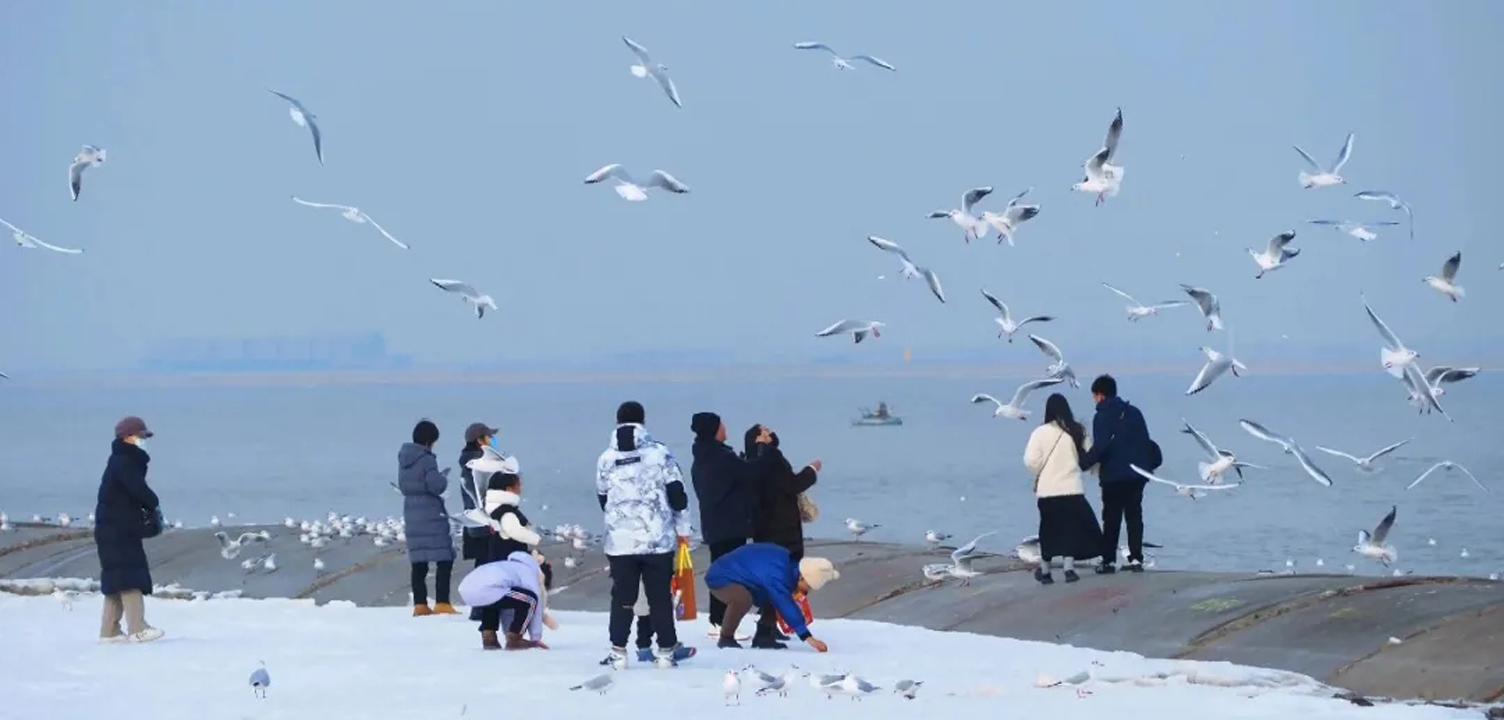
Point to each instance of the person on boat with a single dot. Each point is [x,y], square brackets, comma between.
[882,411]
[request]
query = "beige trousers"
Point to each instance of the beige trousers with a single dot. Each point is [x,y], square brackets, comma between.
[129,605]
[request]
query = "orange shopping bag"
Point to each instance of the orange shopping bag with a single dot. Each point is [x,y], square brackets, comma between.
[683,584]
[809,617]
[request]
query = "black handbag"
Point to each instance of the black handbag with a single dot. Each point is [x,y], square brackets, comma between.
[151,522]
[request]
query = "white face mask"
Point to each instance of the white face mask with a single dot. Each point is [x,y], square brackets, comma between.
[141,443]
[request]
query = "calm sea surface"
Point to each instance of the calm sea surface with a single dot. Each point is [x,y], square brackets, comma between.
[264,453]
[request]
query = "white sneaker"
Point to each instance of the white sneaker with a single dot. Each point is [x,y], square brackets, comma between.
[147,635]
[114,639]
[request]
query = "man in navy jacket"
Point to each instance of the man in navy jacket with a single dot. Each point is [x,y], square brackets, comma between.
[763,574]
[1120,438]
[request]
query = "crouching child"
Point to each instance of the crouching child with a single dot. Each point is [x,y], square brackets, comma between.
[515,590]
[761,575]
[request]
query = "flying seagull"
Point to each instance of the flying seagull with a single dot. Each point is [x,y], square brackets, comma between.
[1221,460]
[1005,323]
[86,158]
[304,118]
[1216,365]
[1210,306]
[909,270]
[1015,407]
[961,560]
[468,292]
[842,63]
[1356,229]
[1422,394]
[1262,433]
[1394,356]
[1275,255]
[970,224]
[1139,310]
[1006,222]
[1447,283]
[1448,465]
[658,71]
[355,215]
[1102,177]
[1395,203]
[230,549]
[1365,464]
[25,240]
[857,328]
[1372,546]
[632,190]
[1326,176]
[1059,369]
[1441,374]
[1190,491]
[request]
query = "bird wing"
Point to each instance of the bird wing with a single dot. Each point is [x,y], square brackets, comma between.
[301,201]
[1013,202]
[1382,531]
[638,50]
[291,100]
[933,280]
[76,177]
[613,170]
[318,137]
[1278,242]
[1093,165]
[1223,486]
[1202,440]
[1426,474]
[983,397]
[1343,154]
[1444,374]
[1470,476]
[1036,318]
[1341,454]
[1325,221]
[1114,131]
[1122,294]
[1412,377]
[1387,450]
[843,326]
[890,246]
[1382,195]
[1312,161]
[1390,338]
[1168,304]
[1263,433]
[667,83]
[875,61]
[383,231]
[1215,366]
[1203,297]
[27,240]
[1001,307]
[1022,393]
[815,46]
[1151,476]
[969,549]
[1449,268]
[248,537]
[667,182]
[1047,347]
[1305,461]
[455,286]
[973,196]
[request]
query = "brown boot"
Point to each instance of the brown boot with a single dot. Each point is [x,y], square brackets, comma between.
[515,642]
[444,608]
[421,610]
[488,640]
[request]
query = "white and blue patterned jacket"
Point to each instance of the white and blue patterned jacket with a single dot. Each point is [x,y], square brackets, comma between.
[641,492]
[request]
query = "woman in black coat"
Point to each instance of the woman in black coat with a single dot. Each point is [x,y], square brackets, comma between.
[778,520]
[120,525]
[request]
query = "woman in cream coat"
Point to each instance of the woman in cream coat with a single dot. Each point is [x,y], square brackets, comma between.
[1068,529]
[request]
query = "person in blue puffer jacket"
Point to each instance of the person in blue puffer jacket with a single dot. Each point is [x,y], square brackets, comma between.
[760,574]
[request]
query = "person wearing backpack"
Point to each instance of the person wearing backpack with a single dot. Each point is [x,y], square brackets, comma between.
[1120,439]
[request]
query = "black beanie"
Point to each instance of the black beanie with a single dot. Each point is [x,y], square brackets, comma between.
[705,425]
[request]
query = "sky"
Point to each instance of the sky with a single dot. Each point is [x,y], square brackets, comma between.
[466,128]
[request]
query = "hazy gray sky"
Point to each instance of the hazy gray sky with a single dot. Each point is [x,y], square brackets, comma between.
[465,128]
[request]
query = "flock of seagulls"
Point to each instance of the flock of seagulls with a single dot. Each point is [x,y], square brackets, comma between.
[766,684]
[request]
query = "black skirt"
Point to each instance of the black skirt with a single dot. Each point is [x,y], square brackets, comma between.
[1068,528]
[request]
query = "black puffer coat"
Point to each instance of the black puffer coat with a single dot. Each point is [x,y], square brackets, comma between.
[120,520]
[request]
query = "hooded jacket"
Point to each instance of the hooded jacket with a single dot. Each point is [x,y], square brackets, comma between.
[769,573]
[491,582]
[641,491]
[1121,439]
[423,514]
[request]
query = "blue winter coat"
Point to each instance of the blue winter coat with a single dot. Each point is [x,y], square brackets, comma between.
[1120,438]
[119,520]
[769,573]
[427,522]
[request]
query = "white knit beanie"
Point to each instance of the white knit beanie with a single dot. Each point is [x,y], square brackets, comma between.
[817,571]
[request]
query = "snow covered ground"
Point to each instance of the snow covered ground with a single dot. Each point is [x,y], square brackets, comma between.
[340,661]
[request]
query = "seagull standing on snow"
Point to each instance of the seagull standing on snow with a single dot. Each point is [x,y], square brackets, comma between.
[599,684]
[1365,464]
[1216,365]
[910,270]
[629,189]
[1372,546]
[1326,176]
[1394,356]
[1210,306]
[1015,407]
[260,681]
[1139,310]
[1007,222]
[304,118]
[857,328]
[1190,491]
[1275,255]
[86,158]
[1447,283]
[731,687]
[855,687]
[1356,229]
[1059,369]
[842,63]
[1448,465]
[972,226]
[1263,433]
[658,71]
[1102,177]
[1221,460]
[468,292]
[355,215]
[25,240]
[1395,203]
[907,688]
[1005,323]
[857,528]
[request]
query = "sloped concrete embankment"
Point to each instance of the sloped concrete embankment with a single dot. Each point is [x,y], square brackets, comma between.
[1332,627]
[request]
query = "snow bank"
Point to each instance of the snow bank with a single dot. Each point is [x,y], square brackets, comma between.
[73,587]
[341,661]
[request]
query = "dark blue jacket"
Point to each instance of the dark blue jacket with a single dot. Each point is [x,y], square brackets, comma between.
[726,487]
[1119,438]
[120,520]
[769,573]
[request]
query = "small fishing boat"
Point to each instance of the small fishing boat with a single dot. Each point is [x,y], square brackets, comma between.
[881,416]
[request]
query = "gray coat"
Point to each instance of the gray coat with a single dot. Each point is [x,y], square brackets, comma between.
[428,534]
